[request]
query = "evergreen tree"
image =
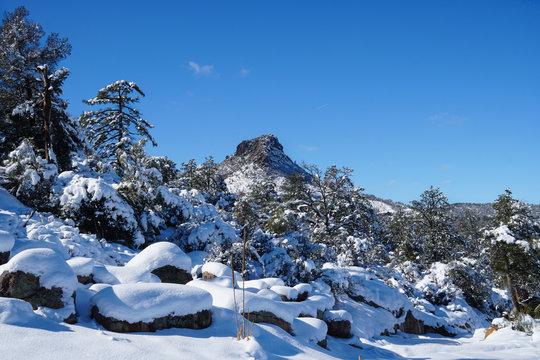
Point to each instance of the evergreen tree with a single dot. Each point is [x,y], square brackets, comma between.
[114,129]
[30,89]
[337,212]
[433,227]
[514,246]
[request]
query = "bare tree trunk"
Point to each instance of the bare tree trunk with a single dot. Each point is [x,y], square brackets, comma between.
[47,106]
[512,291]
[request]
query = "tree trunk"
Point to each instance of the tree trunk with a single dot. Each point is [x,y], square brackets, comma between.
[47,105]
[512,291]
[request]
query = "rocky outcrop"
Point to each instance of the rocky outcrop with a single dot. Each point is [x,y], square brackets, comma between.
[199,320]
[172,274]
[411,325]
[268,318]
[531,307]
[339,328]
[25,286]
[89,279]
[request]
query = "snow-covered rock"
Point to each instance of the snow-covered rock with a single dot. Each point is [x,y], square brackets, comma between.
[44,279]
[339,323]
[303,291]
[166,260]
[82,267]
[149,307]
[311,329]
[287,293]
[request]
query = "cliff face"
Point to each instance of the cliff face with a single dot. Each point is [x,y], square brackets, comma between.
[256,160]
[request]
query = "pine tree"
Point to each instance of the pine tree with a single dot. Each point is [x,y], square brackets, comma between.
[514,246]
[433,227]
[114,129]
[30,89]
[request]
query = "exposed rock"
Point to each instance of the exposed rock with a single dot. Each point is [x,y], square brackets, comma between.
[25,286]
[269,318]
[302,296]
[411,325]
[172,274]
[85,279]
[322,343]
[199,320]
[339,328]
[4,257]
[266,153]
[208,276]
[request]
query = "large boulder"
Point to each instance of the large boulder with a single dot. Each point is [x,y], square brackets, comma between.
[165,260]
[339,323]
[44,279]
[147,307]
[268,318]
[412,325]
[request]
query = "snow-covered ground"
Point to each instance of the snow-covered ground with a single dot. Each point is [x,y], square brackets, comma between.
[27,334]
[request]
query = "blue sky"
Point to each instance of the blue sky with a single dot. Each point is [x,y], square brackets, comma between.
[407,93]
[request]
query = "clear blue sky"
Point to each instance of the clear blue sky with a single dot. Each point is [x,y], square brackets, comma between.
[407,93]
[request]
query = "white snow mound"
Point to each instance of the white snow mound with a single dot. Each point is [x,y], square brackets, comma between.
[161,254]
[48,265]
[7,240]
[146,302]
[14,311]
[289,292]
[311,329]
[82,266]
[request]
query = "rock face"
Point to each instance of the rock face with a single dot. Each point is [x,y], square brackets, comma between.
[411,325]
[257,159]
[339,328]
[269,318]
[199,320]
[172,274]
[266,153]
[25,286]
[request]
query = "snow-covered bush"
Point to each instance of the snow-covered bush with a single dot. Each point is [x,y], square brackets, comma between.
[97,208]
[28,177]
[473,280]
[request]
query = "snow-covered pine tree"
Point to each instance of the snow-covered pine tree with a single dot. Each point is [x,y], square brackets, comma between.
[116,128]
[28,176]
[514,247]
[337,212]
[433,227]
[30,89]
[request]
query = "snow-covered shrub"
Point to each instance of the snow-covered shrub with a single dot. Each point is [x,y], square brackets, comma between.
[96,207]
[28,176]
[473,281]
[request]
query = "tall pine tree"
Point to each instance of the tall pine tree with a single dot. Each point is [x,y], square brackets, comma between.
[116,128]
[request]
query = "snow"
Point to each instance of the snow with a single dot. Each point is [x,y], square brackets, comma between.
[7,240]
[15,311]
[48,265]
[113,275]
[381,208]
[289,292]
[311,329]
[504,234]
[303,288]
[216,269]
[82,266]
[269,294]
[161,254]
[146,302]
[337,315]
